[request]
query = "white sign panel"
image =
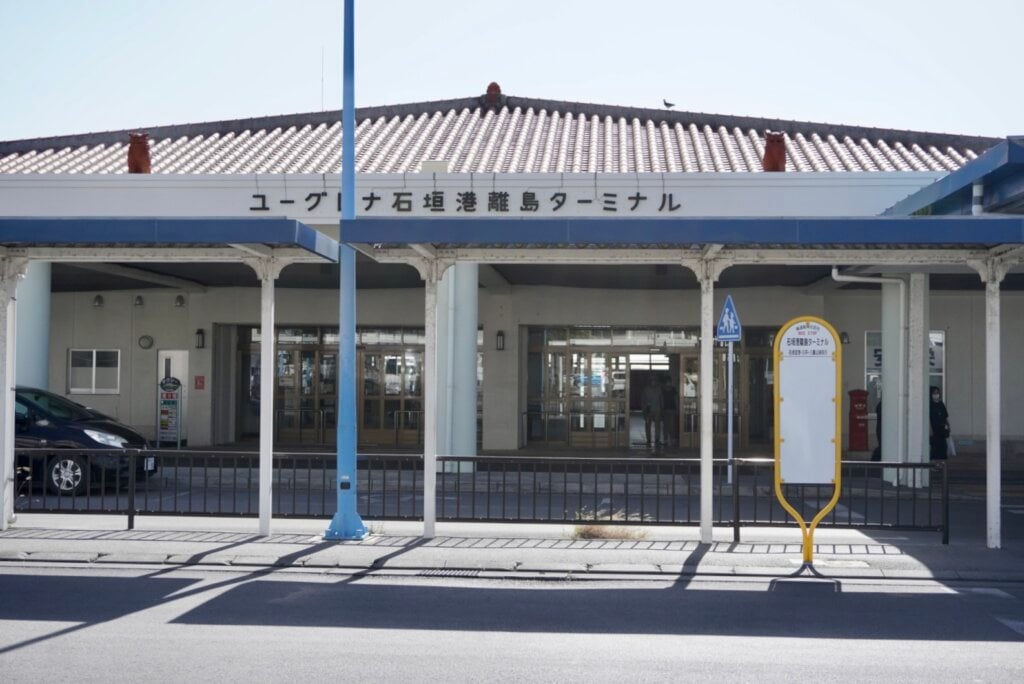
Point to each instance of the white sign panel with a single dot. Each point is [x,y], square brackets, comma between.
[807,386]
[314,198]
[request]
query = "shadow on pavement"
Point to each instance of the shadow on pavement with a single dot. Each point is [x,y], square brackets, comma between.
[809,614]
[258,601]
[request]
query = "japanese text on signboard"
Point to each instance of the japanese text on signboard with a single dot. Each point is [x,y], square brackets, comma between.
[494,202]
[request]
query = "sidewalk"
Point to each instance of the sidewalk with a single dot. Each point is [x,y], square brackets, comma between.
[498,551]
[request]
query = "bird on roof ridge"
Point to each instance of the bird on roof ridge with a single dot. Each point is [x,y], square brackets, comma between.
[668,105]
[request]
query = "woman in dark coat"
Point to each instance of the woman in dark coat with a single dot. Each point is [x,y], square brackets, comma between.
[939,419]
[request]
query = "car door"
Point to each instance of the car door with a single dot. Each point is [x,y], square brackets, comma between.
[27,434]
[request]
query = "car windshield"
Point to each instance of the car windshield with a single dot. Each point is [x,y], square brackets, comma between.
[55,405]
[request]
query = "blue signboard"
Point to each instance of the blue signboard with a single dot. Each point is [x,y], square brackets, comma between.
[728,328]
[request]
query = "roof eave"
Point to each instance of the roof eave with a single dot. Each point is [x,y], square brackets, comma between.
[1000,169]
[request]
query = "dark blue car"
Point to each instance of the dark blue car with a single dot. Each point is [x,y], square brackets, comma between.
[44,420]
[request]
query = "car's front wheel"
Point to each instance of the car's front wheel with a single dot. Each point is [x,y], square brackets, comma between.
[66,476]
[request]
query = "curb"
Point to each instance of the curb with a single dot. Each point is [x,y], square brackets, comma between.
[513,570]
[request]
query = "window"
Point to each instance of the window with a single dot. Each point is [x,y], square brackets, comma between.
[94,371]
[873,364]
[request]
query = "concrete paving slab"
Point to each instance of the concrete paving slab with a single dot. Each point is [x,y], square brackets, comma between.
[920,574]
[198,559]
[261,561]
[62,556]
[325,560]
[133,558]
[532,566]
[625,568]
[493,567]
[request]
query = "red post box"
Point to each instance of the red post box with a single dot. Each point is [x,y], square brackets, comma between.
[858,420]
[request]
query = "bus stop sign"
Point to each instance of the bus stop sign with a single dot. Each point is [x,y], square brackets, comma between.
[807,361]
[729,328]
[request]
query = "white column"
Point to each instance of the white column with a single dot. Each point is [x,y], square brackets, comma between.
[8,313]
[444,332]
[457,305]
[993,408]
[463,363]
[707,346]
[267,272]
[430,394]
[11,271]
[917,378]
[894,385]
[33,337]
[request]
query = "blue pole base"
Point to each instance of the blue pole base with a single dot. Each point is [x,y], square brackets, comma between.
[346,526]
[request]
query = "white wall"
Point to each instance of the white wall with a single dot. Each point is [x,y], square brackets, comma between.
[75,323]
[962,316]
[118,325]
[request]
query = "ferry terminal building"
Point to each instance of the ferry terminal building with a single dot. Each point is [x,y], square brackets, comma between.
[546,332]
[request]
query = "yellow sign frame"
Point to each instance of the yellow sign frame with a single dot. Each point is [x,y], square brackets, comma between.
[807,530]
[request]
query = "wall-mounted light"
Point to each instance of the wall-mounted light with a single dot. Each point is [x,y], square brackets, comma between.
[179,301]
[200,338]
[139,301]
[844,337]
[97,301]
[499,341]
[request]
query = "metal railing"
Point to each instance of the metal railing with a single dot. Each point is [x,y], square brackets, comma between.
[536,489]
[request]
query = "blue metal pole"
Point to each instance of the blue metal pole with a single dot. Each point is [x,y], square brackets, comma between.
[346,523]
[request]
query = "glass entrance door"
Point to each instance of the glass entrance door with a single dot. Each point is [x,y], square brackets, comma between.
[690,399]
[306,396]
[391,401]
[597,403]
[689,405]
[583,381]
[760,425]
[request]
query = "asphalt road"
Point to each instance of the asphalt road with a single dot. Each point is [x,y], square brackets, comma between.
[229,625]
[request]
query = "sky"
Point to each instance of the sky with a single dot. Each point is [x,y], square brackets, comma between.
[77,66]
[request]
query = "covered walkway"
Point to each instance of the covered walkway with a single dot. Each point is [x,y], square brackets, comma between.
[265,245]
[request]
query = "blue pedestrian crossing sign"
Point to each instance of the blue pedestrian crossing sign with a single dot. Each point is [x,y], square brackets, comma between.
[728,328]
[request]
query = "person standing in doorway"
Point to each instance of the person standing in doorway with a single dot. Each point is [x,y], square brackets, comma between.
[653,403]
[939,418]
[670,412]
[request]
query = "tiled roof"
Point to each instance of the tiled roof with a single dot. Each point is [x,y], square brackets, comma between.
[521,136]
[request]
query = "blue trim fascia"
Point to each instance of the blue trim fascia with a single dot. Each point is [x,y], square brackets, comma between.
[121,232]
[952,193]
[1007,191]
[797,232]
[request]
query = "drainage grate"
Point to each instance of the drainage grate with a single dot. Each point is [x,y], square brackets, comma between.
[449,572]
